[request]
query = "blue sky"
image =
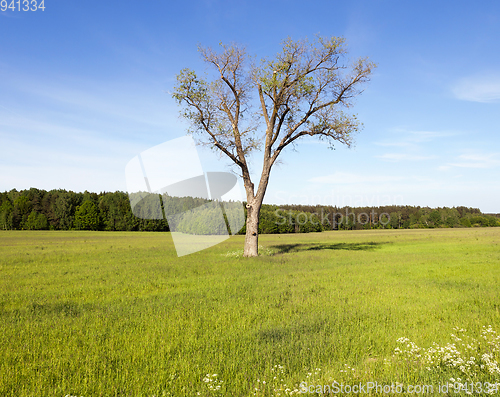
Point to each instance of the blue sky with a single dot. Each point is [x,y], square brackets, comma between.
[84,88]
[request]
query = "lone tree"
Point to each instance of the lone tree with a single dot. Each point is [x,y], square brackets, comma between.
[301,92]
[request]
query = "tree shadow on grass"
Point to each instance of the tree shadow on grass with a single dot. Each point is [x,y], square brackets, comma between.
[287,248]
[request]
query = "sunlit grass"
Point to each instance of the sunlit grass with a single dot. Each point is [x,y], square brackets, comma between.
[118,314]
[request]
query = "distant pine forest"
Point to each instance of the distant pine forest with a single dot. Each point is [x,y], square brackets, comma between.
[37,209]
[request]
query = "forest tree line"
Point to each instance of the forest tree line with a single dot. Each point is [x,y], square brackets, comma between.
[37,209]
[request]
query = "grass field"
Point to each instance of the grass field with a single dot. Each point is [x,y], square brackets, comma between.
[118,314]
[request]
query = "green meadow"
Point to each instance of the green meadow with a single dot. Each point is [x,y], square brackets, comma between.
[119,314]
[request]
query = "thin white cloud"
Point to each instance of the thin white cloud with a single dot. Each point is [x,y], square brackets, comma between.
[71,177]
[411,144]
[483,88]
[418,136]
[489,160]
[349,178]
[34,131]
[425,136]
[412,139]
[10,15]
[96,163]
[393,144]
[404,157]
[144,104]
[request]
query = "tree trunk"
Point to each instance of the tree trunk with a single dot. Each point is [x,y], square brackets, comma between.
[254,204]
[252,231]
